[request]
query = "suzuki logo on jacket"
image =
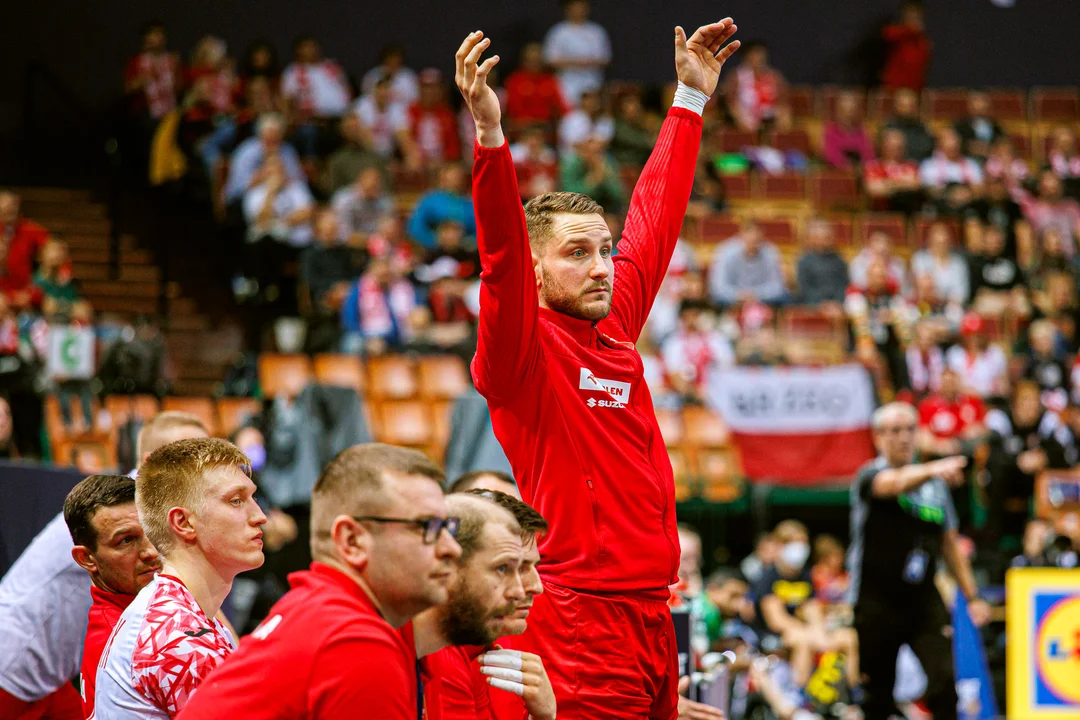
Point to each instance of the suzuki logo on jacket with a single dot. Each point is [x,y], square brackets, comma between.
[616,390]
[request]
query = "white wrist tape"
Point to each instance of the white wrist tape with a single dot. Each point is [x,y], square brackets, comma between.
[690,98]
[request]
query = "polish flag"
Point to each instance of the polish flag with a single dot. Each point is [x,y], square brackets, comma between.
[797,425]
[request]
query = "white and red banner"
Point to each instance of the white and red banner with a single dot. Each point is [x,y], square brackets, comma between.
[797,425]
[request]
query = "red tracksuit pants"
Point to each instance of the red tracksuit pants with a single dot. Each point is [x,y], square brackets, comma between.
[64,704]
[607,656]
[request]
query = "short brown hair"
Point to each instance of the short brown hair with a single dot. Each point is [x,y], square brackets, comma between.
[155,432]
[531,521]
[463,482]
[353,483]
[542,209]
[174,475]
[474,512]
[84,500]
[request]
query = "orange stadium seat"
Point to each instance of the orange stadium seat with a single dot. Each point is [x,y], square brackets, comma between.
[946,104]
[782,187]
[879,104]
[1008,105]
[392,377]
[680,468]
[718,228]
[443,377]
[736,187]
[286,375]
[441,410]
[801,100]
[720,474]
[704,428]
[671,427]
[404,422]
[200,407]
[235,412]
[54,419]
[1055,104]
[339,370]
[122,408]
[834,190]
[101,448]
[790,141]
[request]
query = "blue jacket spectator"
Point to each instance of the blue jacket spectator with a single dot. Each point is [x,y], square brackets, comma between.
[250,155]
[449,202]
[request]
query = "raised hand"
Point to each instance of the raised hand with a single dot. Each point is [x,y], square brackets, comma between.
[471,80]
[699,60]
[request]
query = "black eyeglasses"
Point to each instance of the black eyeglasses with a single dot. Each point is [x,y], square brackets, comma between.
[431,526]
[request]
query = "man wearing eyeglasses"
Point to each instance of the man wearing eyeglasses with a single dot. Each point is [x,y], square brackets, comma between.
[902,519]
[383,548]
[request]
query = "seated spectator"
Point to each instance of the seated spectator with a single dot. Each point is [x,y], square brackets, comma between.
[588,122]
[999,209]
[447,270]
[578,50]
[260,97]
[404,85]
[634,136]
[940,262]
[821,271]
[196,505]
[21,240]
[375,312]
[279,208]
[947,166]
[450,200]
[326,268]
[1048,262]
[982,365]
[533,96]
[59,293]
[361,206]
[892,181]
[728,609]
[212,94]
[978,131]
[248,165]
[386,123]
[997,283]
[1044,364]
[589,170]
[695,351]
[432,123]
[537,164]
[757,93]
[931,307]
[1058,304]
[881,320]
[353,156]
[261,61]
[1001,162]
[918,142]
[828,575]
[1050,208]
[879,247]
[317,91]
[907,49]
[847,144]
[152,78]
[949,420]
[746,268]
[1025,439]
[1064,157]
[925,360]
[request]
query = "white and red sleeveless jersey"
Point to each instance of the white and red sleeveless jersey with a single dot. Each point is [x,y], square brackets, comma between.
[162,648]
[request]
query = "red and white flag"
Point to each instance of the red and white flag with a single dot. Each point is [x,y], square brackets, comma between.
[797,425]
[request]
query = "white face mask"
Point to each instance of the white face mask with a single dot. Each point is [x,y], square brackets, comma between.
[794,554]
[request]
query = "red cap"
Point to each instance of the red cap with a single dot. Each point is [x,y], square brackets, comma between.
[972,324]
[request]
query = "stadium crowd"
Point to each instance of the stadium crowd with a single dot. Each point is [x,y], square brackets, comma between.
[343,198]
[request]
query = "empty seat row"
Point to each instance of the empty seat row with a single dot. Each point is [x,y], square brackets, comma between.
[440,377]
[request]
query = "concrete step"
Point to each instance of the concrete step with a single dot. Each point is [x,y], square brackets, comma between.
[68,210]
[127,242]
[118,288]
[65,226]
[125,304]
[128,273]
[53,195]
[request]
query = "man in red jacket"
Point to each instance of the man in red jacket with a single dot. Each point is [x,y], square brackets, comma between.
[20,242]
[111,546]
[560,314]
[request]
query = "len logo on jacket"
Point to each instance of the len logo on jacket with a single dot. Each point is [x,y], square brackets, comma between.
[616,392]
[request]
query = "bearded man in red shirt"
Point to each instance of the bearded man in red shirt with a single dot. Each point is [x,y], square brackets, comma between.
[560,314]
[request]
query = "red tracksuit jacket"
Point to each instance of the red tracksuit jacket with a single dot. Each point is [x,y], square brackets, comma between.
[568,398]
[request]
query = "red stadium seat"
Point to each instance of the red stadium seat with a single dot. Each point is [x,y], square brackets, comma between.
[802,102]
[235,412]
[736,187]
[1008,105]
[200,407]
[888,223]
[780,231]
[879,104]
[285,375]
[782,187]
[834,190]
[1022,145]
[392,377]
[1055,104]
[843,230]
[790,141]
[733,141]
[831,93]
[945,104]
[339,370]
[718,228]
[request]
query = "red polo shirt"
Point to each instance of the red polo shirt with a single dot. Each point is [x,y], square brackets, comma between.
[105,612]
[323,653]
